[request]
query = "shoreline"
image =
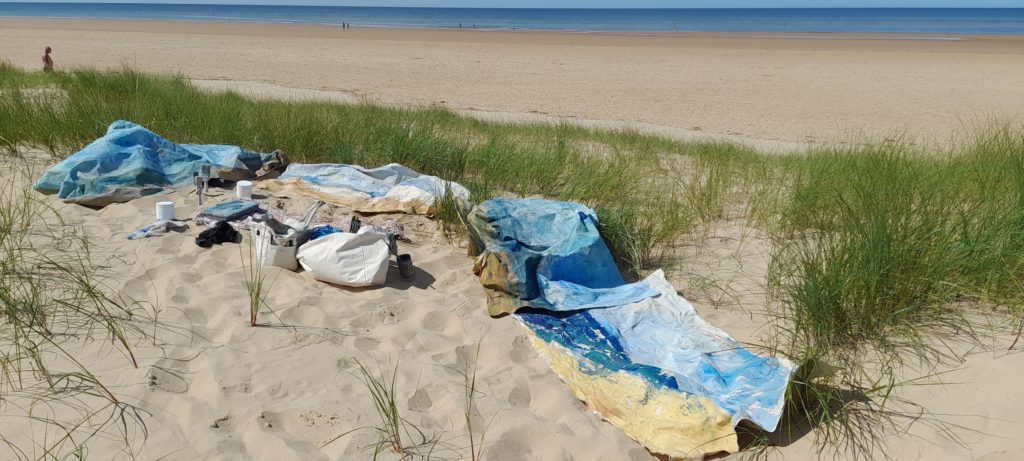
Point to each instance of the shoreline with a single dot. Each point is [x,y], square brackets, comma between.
[852,22]
[821,35]
[803,35]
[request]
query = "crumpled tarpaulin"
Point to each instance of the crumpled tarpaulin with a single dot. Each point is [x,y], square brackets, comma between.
[130,162]
[392,188]
[547,254]
[638,354]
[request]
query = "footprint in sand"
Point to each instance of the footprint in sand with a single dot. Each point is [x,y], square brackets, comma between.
[317,419]
[511,446]
[163,379]
[241,388]
[521,350]
[169,246]
[440,322]
[520,395]
[420,401]
[190,277]
[216,265]
[393,314]
[310,300]
[220,422]
[266,420]
[369,320]
[462,354]
[178,297]
[141,286]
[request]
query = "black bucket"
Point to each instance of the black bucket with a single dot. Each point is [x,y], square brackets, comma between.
[405,267]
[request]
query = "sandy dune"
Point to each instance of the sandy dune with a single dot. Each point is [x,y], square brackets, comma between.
[782,88]
[225,390]
[281,390]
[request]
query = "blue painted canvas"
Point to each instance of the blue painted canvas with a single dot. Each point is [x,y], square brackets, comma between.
[130,161]
[230,210]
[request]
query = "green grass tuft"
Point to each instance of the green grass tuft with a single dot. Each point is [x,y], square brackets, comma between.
[52,300]
[880,253]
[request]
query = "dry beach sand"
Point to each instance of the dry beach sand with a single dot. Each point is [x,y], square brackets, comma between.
[281,390]
[288,386]
[212,387]
[782,88]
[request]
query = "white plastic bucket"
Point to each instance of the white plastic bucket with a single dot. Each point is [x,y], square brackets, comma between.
[243,189]
[277,250]
[165,211]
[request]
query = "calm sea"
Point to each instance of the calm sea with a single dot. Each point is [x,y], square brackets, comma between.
[868,20]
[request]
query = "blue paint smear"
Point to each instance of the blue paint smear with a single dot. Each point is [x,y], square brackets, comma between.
[558,241]
[580,333]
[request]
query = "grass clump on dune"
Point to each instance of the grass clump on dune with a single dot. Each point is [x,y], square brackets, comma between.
[876,245]
[886,261]
[395,433]
[52,301]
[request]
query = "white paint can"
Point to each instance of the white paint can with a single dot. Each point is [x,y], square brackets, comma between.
[243,189]
[165,211]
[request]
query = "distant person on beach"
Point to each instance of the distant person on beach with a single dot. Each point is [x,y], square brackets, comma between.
[47,60]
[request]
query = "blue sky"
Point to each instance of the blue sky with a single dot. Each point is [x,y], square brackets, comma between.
[601,3]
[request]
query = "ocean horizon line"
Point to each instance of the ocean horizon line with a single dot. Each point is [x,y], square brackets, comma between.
[811,35]
[889,20]
[257,5]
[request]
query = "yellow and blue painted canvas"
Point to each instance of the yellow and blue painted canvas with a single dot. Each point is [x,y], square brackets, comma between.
[637,353]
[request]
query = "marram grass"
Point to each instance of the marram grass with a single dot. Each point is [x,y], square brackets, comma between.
[53,300]
[879,252]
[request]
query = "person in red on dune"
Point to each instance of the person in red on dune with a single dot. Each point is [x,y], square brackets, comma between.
[47,61]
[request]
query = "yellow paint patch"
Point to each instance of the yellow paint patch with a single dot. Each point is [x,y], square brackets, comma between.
[667,422]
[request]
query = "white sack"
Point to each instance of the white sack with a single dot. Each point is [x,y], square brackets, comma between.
[355,260]
[365,229]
